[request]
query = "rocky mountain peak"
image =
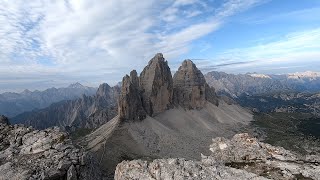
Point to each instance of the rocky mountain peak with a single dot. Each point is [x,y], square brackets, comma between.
[190,88]
[157,85]
[103,89]
[157,59]
[76,85]
[130,104]
[156,91]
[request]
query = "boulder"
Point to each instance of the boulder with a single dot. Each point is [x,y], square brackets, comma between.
[30,154]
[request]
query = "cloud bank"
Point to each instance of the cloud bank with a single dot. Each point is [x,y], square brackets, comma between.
[53,43]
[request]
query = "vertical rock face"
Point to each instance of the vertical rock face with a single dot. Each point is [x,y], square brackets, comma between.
[157,85]
[130,104]
[155,91]
[190,88]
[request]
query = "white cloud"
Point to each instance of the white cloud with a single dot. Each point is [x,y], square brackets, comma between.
[297,48]
[99,41]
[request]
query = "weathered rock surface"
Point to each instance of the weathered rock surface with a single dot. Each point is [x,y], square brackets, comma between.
[156,84]
[130,104]
[149,94]
[26,153]
[190,88]
[155,91]
[242,157]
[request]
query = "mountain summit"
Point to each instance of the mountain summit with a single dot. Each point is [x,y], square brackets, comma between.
[164,116]
[76,85]
[190,88]
[156,91]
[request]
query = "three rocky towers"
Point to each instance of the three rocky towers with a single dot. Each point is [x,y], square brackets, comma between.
[156,90]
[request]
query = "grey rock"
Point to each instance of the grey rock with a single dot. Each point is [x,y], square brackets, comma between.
[64,164]
[157,85]
[155,91]
[72,173]
[28,154]
[130,104]
[242,157]
[190,88]
[149,94]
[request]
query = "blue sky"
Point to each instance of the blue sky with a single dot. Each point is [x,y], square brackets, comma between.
[56,43]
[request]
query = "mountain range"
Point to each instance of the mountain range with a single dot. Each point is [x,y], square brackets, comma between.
[84,112]
[12,104]
[234,85]
[160,115]
[155,115]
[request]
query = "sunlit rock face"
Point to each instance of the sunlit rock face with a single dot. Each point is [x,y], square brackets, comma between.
[27,154]
[241,157]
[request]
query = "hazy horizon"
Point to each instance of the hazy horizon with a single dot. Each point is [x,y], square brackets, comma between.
[88,84]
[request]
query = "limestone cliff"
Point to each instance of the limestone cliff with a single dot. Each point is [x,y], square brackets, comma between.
[130,104]
[155,91]
[190,89]
[156,84]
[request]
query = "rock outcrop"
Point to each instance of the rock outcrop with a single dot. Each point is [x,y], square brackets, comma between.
[4,119]
[130,104]
[149,94]
[190,88]
[242,157]
[29,154]
[156,84]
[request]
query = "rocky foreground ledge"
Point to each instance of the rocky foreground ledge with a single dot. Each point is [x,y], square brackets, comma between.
[242,157]
[27,154]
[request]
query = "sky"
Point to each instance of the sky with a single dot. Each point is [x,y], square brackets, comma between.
[46,43]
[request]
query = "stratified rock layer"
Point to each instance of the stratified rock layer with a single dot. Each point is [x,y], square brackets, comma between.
[156,84]
[27,154]
[190,88]
[242,157]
